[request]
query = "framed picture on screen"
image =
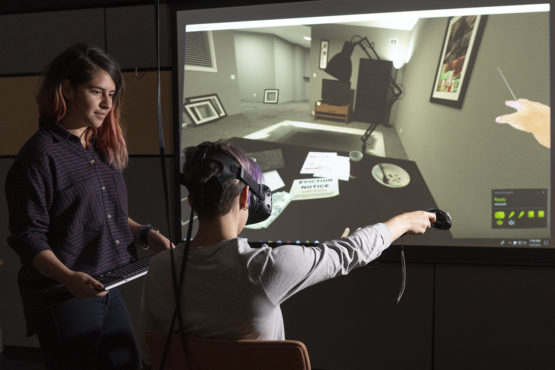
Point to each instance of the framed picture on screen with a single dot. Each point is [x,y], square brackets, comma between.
[460,46]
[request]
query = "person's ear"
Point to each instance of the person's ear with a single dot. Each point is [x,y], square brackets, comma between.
[244,198]
[67,89]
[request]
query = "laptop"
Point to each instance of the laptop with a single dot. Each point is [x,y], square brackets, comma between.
[124,274]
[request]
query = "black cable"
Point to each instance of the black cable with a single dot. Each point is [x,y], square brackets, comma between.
[403,272]
[433,346]
[177,294]
[184,263]
[165,185]
[186,250]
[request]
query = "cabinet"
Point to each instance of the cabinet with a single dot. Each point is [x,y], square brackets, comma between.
[328,111]
[374,93]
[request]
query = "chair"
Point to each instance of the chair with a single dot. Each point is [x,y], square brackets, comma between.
[217,354]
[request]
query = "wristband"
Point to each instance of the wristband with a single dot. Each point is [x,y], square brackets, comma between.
[143,234]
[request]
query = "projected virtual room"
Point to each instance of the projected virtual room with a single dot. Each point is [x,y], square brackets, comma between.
[455,74]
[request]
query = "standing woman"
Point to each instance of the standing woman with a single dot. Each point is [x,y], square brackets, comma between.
[67,202]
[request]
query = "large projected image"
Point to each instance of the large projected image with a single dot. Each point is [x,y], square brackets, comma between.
[354,119]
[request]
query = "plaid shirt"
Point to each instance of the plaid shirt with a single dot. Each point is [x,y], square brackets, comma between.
[65,198]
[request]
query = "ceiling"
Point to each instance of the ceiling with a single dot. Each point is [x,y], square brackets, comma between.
[301,34]
[293,34]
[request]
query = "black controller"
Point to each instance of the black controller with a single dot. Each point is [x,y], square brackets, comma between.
[443,220]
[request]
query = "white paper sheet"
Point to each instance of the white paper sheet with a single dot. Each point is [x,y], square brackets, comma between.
[338,167]
[273,180]
[316,161]
[314,188]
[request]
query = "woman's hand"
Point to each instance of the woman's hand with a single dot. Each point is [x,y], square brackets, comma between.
[78,283]
[82,285]
[158,242]
[154,239]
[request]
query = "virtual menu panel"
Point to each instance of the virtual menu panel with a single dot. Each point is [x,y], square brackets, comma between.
[519,208]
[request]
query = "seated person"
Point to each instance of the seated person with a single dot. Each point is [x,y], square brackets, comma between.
[233,291]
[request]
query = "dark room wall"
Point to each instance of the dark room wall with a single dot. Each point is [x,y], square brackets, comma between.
[27,43]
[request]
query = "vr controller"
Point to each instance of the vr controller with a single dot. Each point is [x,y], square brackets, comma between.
[443,219]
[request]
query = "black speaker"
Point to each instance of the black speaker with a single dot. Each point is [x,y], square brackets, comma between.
[373,94]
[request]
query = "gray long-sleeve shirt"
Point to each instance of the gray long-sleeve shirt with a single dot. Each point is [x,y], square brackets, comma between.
[234,291]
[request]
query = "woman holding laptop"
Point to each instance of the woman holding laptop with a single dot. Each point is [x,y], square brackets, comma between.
[67,202]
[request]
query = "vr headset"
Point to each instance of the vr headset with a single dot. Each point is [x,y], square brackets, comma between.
[260,206]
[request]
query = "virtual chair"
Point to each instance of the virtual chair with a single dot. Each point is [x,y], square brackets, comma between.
[216,354]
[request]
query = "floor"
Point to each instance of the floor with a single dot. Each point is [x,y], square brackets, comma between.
[258,116]
[17,358]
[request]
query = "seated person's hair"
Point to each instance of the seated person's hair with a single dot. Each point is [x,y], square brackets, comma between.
[209,199]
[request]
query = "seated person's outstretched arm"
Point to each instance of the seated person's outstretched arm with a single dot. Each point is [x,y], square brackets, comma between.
[410,223]
[289,269]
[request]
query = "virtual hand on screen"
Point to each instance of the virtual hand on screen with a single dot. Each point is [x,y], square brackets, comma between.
[347,231]
[82,285]
[530,116]
[158,242]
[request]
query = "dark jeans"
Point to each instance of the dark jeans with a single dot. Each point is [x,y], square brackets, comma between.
[92,333]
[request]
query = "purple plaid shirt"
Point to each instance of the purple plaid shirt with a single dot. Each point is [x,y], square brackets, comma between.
[65,198]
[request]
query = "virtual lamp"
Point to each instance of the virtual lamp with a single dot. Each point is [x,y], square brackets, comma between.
[340,67]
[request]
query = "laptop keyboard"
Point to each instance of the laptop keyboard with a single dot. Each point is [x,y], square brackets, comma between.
[124,274]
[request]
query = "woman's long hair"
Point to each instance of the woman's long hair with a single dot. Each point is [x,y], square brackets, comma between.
[78,64]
